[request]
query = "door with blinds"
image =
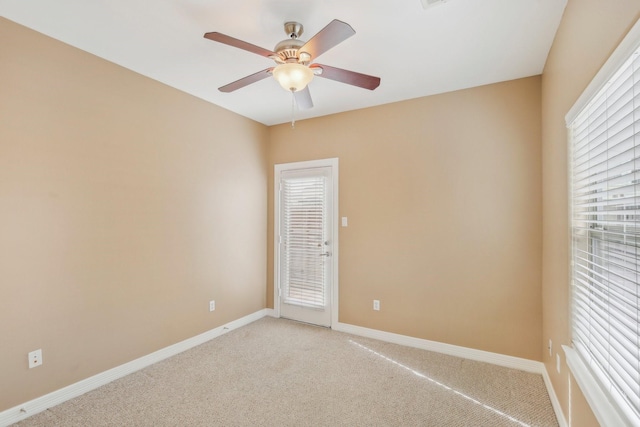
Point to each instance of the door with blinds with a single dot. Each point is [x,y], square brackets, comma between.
[304,241]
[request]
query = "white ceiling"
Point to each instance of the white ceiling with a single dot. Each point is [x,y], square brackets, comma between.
[415,51]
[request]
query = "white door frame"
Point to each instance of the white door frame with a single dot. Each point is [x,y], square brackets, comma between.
[333,164]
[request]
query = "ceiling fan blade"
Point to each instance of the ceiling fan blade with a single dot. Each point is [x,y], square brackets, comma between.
[303,98]
[349,77]
[331,35]
[245,81]
[228,40]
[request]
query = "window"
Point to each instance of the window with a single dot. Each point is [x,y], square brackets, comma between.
[303,233]
[604,129]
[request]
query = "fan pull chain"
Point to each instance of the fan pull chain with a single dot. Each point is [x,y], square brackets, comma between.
[293,110]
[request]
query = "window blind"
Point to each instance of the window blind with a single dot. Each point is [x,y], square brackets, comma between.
[303,239]
[605,178]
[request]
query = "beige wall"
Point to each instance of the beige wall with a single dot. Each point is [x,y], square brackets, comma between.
[125,206]
[444,205]
[589,32]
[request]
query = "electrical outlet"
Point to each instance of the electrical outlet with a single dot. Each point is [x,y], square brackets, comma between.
[376,305]
[35,358]
[212,305]
[558,363]
[550,348]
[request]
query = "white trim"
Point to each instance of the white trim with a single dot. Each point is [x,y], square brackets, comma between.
[628,45]
[555,403]
[452,350]
[20,412]
[278,168]
[605,411]
[336,247]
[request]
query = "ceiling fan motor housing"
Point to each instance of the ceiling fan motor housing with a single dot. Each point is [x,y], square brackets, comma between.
[288,49]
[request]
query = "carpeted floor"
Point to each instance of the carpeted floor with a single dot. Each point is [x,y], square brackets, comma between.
[276,372]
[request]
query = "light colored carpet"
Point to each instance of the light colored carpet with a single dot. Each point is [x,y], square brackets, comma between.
[276,372]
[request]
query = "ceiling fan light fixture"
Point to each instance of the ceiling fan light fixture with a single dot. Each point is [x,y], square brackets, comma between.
[293,76]
[304,57]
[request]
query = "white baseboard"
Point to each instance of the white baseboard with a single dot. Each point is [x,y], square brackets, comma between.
[20,412]
[467,353]
[452,350]
[270,312]
[554,399]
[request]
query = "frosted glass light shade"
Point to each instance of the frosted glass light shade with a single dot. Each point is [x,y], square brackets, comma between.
[292,76]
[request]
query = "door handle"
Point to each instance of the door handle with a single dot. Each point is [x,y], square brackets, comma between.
[327,254]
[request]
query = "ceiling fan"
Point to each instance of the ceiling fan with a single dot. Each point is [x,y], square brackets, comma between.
[294,68]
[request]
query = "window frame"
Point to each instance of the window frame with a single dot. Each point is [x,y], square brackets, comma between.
[604,405]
